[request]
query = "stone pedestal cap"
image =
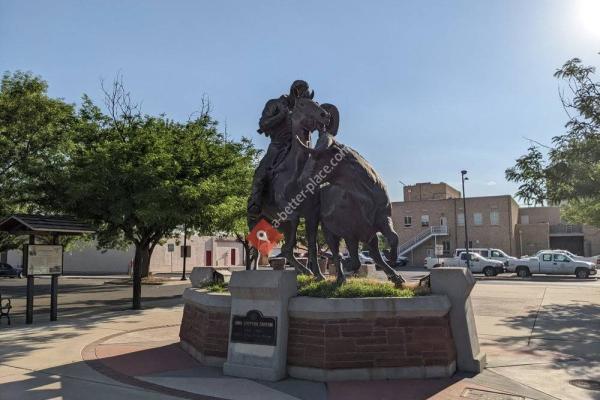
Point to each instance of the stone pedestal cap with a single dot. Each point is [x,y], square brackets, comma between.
[263,284]
[457,283]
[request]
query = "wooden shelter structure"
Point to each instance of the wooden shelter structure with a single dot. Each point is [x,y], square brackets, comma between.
[48,226]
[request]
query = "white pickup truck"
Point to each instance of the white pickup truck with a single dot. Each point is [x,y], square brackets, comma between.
[477,263]
[487,252]
[552,263]
[593,259]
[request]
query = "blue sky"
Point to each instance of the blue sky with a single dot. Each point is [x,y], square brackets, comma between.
[424,88]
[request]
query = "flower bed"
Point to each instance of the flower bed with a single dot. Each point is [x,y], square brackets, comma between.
[329,288]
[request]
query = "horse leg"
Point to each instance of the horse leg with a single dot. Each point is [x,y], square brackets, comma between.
[353,252]
[387,230]
[253,259]
[289,233]
[312,227]
[374,252]
[333,241]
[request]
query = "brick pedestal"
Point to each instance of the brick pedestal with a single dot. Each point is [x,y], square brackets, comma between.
[204,328]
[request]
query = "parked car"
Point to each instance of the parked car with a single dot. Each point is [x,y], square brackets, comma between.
[10,271]
[552,262]
[365,258]
[488,252]
[401,261]
[477,263]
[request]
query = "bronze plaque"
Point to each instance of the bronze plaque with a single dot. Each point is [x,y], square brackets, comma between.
[254,328]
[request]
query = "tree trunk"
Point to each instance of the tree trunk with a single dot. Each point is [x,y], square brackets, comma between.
[141,263]
[247,255]
[146,264]
[247,250]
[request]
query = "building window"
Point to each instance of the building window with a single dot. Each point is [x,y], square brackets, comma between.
[524,219]
[460,219]
[477,219]
[470,244]
[494,217]
[407,221]
[424,220]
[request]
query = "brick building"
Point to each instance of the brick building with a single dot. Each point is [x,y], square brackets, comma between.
[432,213]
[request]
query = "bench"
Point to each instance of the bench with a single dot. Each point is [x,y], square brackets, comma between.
[5,307]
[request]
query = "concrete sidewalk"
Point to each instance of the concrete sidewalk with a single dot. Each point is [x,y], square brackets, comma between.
[129,356]
[542,336]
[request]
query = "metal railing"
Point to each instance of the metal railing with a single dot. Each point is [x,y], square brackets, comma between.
[566,229]
[422,236]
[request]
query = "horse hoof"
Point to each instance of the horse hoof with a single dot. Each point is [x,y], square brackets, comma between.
[397,280]
[425,282]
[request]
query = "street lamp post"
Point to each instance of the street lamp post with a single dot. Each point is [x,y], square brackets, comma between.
[183,278]
[463,173]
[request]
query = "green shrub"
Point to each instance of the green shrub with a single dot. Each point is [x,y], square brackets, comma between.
[216,287]
[354,287]
[304,280]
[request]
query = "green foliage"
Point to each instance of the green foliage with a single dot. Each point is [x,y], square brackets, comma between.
[582,211]
[33,130]
[216,287]
[353,288]
[529,171]
[140,178]
[571,173]
[304,280]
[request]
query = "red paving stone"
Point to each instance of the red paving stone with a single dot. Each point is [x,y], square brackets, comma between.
[131,360]
[405,389]
[143,359]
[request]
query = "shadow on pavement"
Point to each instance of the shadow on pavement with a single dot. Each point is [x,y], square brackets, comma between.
[569,330]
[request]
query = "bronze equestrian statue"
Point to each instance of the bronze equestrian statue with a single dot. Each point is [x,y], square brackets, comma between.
[350,201]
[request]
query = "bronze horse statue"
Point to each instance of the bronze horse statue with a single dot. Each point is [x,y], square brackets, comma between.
[354,204]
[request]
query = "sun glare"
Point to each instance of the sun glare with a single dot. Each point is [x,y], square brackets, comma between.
[589,14]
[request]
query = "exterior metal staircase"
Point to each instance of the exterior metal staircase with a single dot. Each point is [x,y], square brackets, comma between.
[421,238]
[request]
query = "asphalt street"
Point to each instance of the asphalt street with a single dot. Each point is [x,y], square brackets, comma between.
[82,296]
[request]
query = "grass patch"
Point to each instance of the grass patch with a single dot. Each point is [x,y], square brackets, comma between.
[216,287]
[354,287]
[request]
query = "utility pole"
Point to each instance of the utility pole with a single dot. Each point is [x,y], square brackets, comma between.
[463,173]
[184,251]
